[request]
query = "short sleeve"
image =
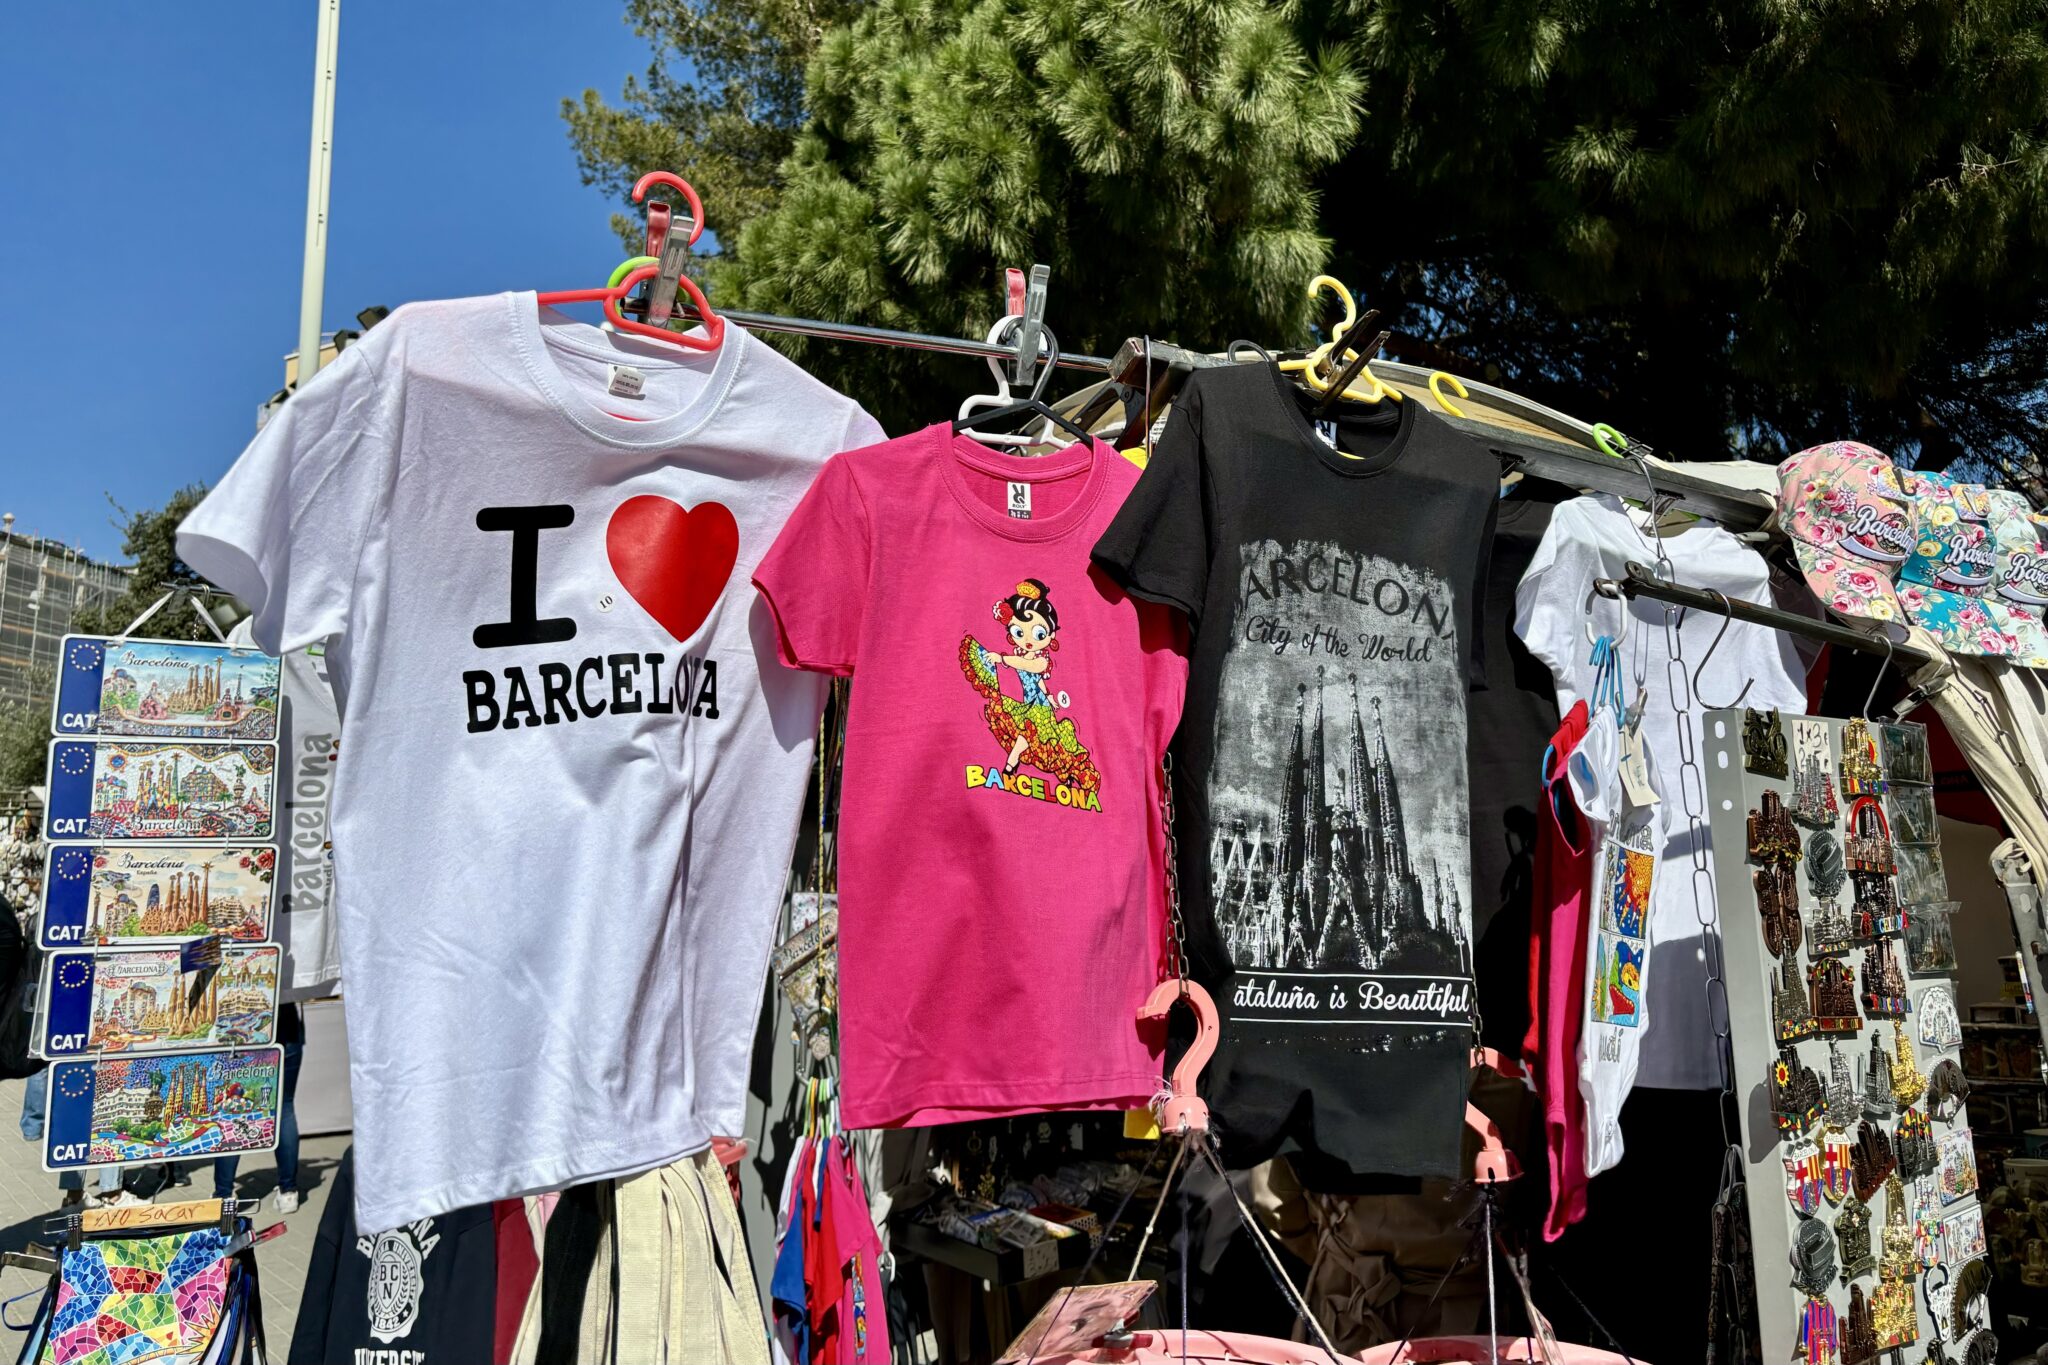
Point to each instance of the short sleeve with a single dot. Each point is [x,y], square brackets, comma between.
[1549,605]
[1157,547]
[284,529]
[817,613]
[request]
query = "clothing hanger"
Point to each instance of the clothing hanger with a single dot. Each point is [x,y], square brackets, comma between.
[1001,397]
[1436,382]
[1312,368]
[1033,406]
[615,292]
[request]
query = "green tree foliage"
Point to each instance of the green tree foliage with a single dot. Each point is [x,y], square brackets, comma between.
[1739,220]
[25,735]
[149,542]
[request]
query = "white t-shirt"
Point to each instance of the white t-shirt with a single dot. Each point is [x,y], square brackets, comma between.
[574,768]
[1594,537]
[308,742]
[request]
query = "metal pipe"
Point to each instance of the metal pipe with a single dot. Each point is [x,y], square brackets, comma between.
[319,171]
[1641,582]
[886,336]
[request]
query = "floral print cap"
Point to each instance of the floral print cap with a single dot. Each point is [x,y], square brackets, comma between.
[2019,582]
[1946,581]
[1851,526]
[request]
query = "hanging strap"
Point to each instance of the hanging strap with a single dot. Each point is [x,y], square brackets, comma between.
[158,605]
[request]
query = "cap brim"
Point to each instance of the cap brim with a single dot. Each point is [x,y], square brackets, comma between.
[1959,623]
[1851,588]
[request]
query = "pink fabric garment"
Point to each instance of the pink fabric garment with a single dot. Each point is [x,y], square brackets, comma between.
[1563,877]
[863,1310]
[998,930]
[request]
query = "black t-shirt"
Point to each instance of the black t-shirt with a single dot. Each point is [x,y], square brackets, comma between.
[1320,764]
[1509,723]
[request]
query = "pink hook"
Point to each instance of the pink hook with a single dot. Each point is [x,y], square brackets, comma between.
[1182,1111]
[674,182]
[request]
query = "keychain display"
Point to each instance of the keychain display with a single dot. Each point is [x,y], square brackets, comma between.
[1930,945]
[1922,879]
[1905,753]
[1813,776]
[1913,818]
[1763,743]
[1831,1001]
[1862,774]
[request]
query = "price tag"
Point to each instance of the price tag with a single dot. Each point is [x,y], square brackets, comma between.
[1635,765]
[1041,1258]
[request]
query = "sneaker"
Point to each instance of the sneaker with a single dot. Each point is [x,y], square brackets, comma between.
[285,1201]
[119,1199]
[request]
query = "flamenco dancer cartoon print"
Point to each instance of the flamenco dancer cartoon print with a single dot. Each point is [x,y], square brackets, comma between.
[1030,728]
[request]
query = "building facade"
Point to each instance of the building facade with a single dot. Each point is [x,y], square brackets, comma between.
[44,585]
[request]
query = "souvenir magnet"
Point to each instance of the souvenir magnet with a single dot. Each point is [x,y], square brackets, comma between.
[1795,1094]
[1915,1145]
[1777,904]
[1763,743]
[1789,1003]
[163,893]
[1872,1161]
[1832,998]
[1819,1333]
[121,789]
[1813,776]
[1803,1178]
[1893,1315]
[1940,1028]
[1962,1235]
[1877,1080]
[1844,1103]
[123,1110]
[1813,1258]
[1862,775]
[1884,985]
[1837,1167]
[1948,1090]
[1859,1336]
[1958,1166]
[1908,1085]
[1773,838]
[164,689]
[1852,1239]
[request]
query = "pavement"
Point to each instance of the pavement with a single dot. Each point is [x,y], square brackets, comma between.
[29,1196]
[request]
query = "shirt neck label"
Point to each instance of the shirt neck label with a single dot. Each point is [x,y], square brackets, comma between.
[1020,500]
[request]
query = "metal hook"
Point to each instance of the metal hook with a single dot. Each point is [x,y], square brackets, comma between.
[1727,616]
[1890,646]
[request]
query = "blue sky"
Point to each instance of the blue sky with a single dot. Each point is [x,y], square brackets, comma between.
[173,138]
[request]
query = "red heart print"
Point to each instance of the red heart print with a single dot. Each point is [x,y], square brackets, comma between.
[675,560]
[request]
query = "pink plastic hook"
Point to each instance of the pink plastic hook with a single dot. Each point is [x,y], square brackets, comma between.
[674,182]
[714,325]
[1182,1111]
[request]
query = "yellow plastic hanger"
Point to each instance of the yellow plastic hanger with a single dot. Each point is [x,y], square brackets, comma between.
[1437,381]
[1315,369]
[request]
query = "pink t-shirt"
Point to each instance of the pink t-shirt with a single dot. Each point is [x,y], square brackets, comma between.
[1001,850]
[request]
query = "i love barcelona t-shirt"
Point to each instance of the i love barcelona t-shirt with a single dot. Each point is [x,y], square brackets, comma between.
[1001,845]
[574,768]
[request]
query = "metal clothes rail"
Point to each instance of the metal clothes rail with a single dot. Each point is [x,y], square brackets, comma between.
[1642,582]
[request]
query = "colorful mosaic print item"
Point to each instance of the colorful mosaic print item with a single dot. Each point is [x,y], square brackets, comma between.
[130,1300]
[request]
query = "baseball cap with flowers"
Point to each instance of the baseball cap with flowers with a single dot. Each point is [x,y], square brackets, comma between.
[2019,579]
[1851,526]
[1946,581]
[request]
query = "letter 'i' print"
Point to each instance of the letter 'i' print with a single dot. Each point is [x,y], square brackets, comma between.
[1338,796]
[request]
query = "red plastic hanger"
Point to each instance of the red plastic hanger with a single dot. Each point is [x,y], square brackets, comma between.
[714,325]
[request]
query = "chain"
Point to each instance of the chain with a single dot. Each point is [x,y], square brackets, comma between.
[1705,906]
[1176,926]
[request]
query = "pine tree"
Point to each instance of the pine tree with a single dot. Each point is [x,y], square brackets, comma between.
[1744,221]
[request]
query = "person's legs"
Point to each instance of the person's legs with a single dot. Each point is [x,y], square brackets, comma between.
[35,1093]
[110,1179]
[288,1120]
[224,1169]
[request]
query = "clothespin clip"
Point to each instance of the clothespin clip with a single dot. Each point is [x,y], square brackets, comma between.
[1026,301]
[670,236]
